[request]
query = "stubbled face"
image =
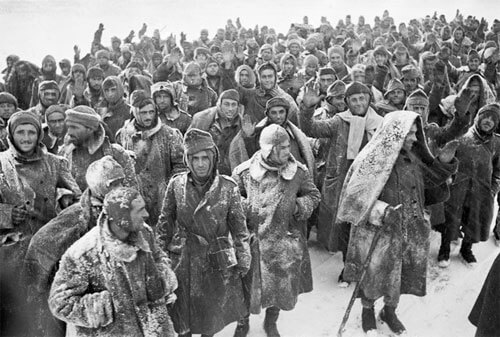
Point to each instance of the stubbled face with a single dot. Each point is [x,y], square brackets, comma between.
[78,134]
[396,97]
[277,115]
[163,100]
[56,123]
[281,152]
[201,163]
[358,103]
[267,79]
[411,138]
[229,108]
[147,115]
[49,97]
[325,81]
[25,138]
[410,84]
[421,109]
[96,83]
[138,215]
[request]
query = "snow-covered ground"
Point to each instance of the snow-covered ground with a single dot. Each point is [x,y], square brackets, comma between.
[451,294]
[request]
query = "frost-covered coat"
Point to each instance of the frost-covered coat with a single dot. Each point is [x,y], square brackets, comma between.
[81,157]
[207,299]
[336,130]
[476,183]
[158,156]
[44,253]
[194,99]
[385,174]
[31,183]
[95,283]
[277,207]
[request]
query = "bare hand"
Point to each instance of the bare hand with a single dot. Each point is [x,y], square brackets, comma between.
[311,95]
[247,126]
[463,101]
[447,153]
[79,87]
[171,298]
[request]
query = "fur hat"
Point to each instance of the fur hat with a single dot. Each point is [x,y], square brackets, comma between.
[277,101]
[410,72]
[46,85]
[356,88]
[337,50]
[94,72]
[394,84]
[7,97]
[102,53]
[326,71]
[230,94]
[60,108]
[101,173]
[196,140]
[83,115]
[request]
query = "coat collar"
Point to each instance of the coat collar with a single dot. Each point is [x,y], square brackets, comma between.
[258,168]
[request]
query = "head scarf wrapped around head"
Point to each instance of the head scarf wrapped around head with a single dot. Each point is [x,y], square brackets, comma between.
[101,174]
[118,203]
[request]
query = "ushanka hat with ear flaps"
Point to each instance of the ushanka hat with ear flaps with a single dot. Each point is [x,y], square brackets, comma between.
[271,136]
[277,101]
[196,140]
[101,174]
[418,97]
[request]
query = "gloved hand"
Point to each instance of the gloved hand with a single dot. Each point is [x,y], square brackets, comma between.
[19,214]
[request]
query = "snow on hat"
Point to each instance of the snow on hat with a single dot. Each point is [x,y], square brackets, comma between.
[196,140]
[492,107]
[326,71]
[46,85]
[473,54]
[410,71]
[356,88]
[118,203]
[230,94]
[6,97]
[102,53]
[60,108]
[192,67]
[94,72]
[311,60]
[271,136]
[418,97]
[24,117]
[337,88]
[277,101]
[101,174]
[337,50]
[394,84]
[139,99]
[78,67]
[83,115]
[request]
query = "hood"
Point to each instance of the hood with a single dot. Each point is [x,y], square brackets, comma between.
[284,58]
[251,75]
[113,80]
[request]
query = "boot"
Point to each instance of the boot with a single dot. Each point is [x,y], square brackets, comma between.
[270,327]
[444,252]
[368,321]
[242,327]
[388,315]
[466,252]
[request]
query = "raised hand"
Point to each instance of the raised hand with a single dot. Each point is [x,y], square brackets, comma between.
[247,126]
[463,101]
[311,95]
[447,153]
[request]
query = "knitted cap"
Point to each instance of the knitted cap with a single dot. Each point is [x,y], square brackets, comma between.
[83,115]
[196,140]
[230,94]
[102,53]
[78,67]
[24,117]
[394,84]
[60,108]
[356,88]
[101,173]
[46,85]
[95,72]
[418,97]
[410,72]
[6,97]
[271,136]
[337,88]
[277,101]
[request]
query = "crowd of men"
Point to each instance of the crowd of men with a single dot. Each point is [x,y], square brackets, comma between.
[157,187]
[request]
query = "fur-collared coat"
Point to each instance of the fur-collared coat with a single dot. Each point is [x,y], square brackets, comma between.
[210,296]
[105,287]
[158,156]
[277,208]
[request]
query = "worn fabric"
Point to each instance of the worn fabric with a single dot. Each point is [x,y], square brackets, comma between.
[81,157]
[210,293]
[222,131]
[336,131]
[194,99]
[470,207]
[114,114]
[277,204]
[484,314]
[390,175]
[158,156]
[98,293]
